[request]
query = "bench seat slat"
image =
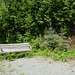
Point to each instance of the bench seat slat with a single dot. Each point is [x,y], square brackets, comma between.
[17,47]
[15,51]
[14,48]
[16,44]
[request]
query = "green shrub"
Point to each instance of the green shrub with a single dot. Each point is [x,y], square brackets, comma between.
[55,41]
[37,44]
[64,60]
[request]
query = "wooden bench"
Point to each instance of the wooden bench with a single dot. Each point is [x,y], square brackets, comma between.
[17,47]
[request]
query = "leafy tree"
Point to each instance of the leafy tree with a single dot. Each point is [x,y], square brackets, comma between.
[31,17]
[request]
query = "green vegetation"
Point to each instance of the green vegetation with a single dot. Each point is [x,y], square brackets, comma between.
[9,65]
[50,62]
[57,53]
[45,24]
[1,66]
[22,20]
[11,70]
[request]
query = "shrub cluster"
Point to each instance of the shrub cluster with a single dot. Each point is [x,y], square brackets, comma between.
[54,45]
[30,17]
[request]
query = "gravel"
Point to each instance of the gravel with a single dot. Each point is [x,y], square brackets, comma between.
[37,66]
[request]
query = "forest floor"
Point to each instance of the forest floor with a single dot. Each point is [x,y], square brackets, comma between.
[37,66]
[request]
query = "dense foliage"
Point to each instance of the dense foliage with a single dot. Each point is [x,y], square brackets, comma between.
[43,23]
[29,18]
[55,41]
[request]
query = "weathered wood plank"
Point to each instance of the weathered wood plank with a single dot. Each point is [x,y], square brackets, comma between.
[16,44]
[18,47]
[14,51]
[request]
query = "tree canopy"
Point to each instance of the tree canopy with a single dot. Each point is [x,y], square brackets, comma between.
[28,18]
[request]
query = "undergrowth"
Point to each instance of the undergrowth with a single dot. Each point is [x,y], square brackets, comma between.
[52,44]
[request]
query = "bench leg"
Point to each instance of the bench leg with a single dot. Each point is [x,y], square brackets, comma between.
[25,54]
[4,56]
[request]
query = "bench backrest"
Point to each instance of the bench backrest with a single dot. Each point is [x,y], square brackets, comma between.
[15,47]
